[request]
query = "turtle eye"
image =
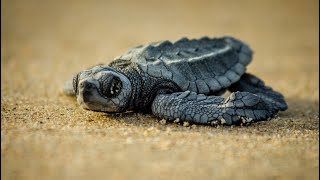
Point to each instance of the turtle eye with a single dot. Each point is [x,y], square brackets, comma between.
[75,83]
[112,88]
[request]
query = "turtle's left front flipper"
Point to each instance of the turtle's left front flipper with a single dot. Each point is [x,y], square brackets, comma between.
[252,84]
[68,88]
[198,108]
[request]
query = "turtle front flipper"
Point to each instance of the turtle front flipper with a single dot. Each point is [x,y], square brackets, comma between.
[68,88]
[197,108]
[252,84]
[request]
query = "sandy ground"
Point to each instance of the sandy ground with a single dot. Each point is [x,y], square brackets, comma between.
[45,135]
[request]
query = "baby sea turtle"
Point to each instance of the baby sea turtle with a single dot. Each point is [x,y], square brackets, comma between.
[181,80]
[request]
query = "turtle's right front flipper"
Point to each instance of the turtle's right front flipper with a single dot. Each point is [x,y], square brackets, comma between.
[198,108]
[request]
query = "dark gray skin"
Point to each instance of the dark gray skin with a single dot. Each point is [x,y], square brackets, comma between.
[182,80]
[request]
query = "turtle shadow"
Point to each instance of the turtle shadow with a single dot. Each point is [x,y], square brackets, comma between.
[299,108]
[301,115]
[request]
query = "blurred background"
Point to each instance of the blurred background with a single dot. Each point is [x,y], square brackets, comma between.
[79,34]
[43,43]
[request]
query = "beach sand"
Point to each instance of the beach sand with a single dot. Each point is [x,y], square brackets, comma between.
[46,135]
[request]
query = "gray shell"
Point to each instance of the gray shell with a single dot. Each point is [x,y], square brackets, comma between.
[200,65]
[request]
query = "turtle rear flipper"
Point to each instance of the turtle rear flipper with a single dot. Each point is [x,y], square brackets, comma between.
[252,84]
[197,108]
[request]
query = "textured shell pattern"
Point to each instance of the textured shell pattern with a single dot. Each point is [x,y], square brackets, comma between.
[204,65]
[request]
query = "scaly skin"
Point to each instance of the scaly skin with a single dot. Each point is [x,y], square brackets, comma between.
[162,97]
[250,83]
[144,87]
[188,106]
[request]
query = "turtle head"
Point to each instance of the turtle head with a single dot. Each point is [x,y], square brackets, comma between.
[101,88]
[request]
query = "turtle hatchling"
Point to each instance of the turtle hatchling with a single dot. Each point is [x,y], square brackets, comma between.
[182,80]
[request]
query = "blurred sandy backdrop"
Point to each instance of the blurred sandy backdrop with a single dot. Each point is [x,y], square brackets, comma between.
[45,135]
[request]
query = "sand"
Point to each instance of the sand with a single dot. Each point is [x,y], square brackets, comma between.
[46,135]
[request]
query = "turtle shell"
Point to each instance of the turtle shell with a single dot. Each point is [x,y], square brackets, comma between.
[204,65]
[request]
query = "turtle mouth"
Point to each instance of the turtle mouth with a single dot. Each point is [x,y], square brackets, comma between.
[89,97]
[86,92]
[88,105]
